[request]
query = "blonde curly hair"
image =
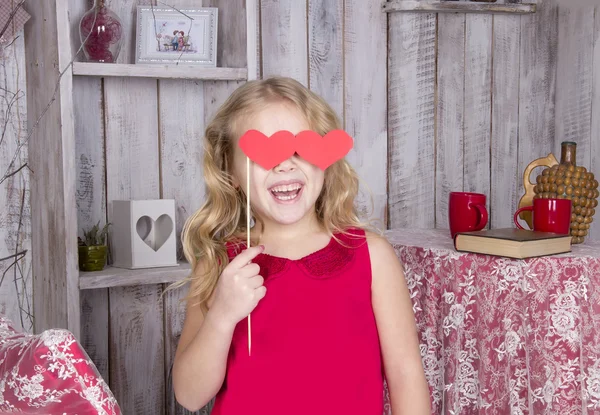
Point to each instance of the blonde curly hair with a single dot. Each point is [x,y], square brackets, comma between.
[222,217]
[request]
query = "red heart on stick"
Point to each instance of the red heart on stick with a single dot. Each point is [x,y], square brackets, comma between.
[323,151]
[268,152]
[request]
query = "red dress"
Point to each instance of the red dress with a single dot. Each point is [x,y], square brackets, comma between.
[315,347]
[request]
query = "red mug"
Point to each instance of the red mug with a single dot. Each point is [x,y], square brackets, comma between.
[466,212]
[549,215]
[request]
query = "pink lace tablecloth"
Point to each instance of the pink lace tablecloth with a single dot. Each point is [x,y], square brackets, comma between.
[505,336]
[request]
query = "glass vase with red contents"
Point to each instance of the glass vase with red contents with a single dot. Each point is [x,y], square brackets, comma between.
[101,33]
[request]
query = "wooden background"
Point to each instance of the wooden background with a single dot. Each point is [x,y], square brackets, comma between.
[435,102]
[15,214]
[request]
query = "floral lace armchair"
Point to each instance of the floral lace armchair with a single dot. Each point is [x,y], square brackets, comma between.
[49,373]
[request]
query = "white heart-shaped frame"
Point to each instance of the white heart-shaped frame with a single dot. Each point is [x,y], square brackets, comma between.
[154,232]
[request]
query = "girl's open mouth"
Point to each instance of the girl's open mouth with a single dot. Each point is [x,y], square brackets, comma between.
[287,192]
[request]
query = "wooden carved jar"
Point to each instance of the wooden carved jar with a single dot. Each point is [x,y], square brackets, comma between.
[567,180]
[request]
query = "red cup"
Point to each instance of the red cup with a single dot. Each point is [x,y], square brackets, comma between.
[466,212]
[549,215]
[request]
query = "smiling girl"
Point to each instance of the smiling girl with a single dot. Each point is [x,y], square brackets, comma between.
[331,313]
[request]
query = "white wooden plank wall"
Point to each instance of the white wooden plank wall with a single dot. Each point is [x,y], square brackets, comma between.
[450,110]
[365,102]
[284,35]
[51,146]
[326,51]
[477,103]
[412,48]
[90,194]
[537,86]
[181,119]
[136,332]
[435,103]
[504,177]
[574,80]
[595,133]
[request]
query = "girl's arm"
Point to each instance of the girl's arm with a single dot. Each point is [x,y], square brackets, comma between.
[201,357]
[409,391]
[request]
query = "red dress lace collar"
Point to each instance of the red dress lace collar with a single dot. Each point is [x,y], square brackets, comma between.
[323,263]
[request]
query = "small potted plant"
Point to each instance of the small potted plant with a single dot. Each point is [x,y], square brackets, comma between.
[92,248]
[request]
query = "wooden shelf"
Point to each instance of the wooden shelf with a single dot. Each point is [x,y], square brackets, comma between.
[159,71]
[120,277]
[429,6]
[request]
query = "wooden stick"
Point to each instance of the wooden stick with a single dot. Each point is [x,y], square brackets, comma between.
[248,241]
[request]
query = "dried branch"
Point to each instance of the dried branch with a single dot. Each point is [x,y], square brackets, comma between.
[17,258]
[7,91]
[7,117]
[8,172]
[9,44]
[16,268]
[13,256]
[19,276]
[18,170]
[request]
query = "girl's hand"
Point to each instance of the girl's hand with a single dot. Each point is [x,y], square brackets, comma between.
[239,288]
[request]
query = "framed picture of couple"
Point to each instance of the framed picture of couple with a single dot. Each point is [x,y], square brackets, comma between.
[166,35]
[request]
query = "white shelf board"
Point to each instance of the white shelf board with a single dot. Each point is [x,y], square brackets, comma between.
[159,71]
[121,277]
[431,6]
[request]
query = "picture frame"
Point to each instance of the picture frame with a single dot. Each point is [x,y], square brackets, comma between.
[165,35]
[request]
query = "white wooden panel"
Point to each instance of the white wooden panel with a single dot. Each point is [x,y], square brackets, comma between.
[453,6]
[174,318]
[90,196]
[595,133]
[137,349]
[411,119]
[15,214]
[326,51]
[181,107]
[232,13]
[89,135]
[253,39]
[284,39]
[478,103]
[51,150]
[90,193]
[132,172]
[121,277]
[158,71]
[574,81]
[450,112]
[132,164]
[537,83]
[365,102]
[94,329]
[182,125]
[505,122]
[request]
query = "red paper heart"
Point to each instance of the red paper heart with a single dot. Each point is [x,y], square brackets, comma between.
[323,151]
[268,152]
